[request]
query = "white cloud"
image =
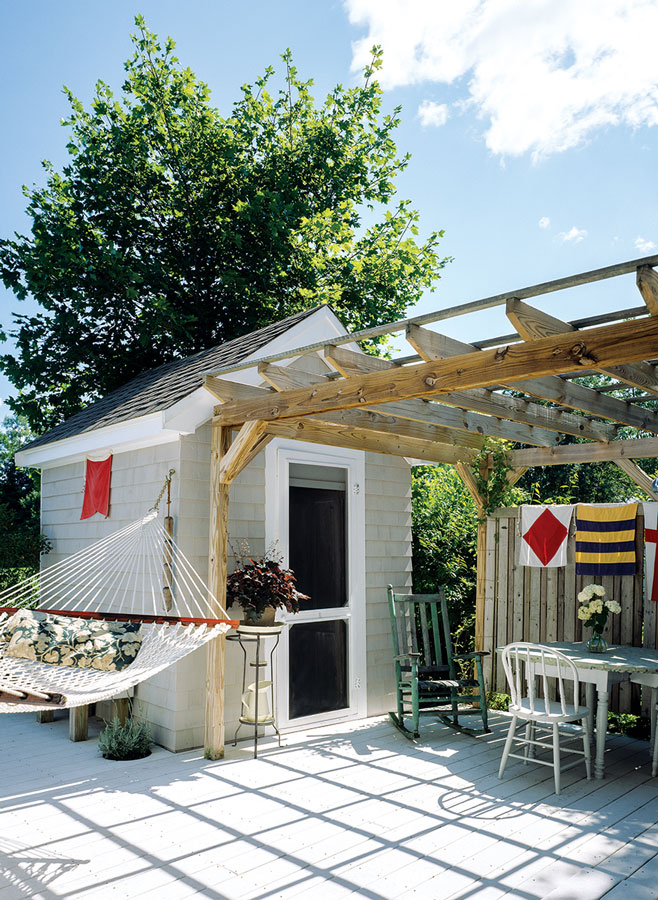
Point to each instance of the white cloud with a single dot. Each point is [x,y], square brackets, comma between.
[431,113]
[544,222]
[573,236]
[643,245]
[543,76]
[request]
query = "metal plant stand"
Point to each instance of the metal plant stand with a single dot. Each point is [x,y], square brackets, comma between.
[252,634]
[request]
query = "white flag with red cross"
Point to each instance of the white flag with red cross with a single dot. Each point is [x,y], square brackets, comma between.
[650,544]
[544,533]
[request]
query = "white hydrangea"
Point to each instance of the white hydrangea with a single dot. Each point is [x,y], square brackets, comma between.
[590,591]
[613,606]
[583,613]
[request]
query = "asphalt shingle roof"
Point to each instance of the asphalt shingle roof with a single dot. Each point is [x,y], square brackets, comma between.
[158,389]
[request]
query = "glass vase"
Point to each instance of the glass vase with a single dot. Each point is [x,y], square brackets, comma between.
[597,643]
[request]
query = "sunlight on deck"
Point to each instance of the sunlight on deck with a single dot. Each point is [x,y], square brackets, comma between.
[351,810]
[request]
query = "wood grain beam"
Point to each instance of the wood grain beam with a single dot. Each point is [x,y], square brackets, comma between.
[245,446]
[638,475]
[217,565]
[557,390]
[532,323]
[647,283]
[605,346]
[435,414]
[362,439]
[519,413]
[633,448]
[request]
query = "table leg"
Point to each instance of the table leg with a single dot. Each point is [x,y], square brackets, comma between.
[589,703]
[601,729]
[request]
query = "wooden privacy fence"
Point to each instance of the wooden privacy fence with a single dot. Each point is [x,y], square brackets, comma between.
[522,603]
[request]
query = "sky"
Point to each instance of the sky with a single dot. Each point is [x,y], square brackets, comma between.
[531,123]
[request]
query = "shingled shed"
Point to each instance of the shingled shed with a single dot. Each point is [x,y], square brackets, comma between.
[439,403]
[346,512]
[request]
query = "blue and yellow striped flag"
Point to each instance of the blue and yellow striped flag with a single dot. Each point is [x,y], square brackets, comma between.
[605,539]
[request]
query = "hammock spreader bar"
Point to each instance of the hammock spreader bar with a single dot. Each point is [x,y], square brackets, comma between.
[124,617]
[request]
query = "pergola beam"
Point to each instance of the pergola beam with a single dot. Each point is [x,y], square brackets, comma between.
[637,448]
[606,346]
[512,418]
[413,418]
[647,283]
[638,475]
[363,439]
[432,345]
[532,323]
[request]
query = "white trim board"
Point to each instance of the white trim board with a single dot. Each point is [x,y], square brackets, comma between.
[183,417]
[278,455]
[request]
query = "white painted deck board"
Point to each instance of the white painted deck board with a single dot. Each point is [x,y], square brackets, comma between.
[347,811]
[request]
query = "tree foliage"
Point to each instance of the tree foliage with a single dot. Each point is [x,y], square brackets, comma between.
[22,541]
[173,228]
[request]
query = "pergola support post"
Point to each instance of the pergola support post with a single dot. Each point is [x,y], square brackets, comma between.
[218,544]
[467,476]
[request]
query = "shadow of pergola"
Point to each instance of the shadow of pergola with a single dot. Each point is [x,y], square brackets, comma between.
[29,869]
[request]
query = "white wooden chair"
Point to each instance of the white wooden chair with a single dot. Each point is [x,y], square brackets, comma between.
[650,680]
[524,664]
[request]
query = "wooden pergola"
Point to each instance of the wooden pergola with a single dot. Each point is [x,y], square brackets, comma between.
[440,404]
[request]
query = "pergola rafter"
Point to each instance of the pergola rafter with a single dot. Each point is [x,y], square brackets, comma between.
[440,407]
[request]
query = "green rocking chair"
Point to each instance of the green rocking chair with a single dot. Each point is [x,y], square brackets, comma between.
[425,671]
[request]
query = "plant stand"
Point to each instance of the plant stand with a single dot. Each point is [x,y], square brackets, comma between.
[254,634]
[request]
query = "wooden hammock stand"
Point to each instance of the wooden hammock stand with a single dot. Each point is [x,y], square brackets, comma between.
[381,406]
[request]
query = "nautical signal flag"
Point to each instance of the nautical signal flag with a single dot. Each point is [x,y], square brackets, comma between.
[97,487]
[650,548]
[544,533]
[605,539]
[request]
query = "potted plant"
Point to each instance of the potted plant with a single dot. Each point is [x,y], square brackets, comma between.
[125,740]
[261,586]
[593,612]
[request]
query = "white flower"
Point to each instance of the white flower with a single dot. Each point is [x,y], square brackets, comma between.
[613,606]
[583,613]
[598,590]
[586,594]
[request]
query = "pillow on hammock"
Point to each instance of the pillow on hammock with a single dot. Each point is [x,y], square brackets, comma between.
[76,643]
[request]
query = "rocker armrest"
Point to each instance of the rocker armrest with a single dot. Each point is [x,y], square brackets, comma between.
[473,655]
[411,656]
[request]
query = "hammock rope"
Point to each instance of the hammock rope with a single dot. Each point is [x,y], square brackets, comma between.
[135,574]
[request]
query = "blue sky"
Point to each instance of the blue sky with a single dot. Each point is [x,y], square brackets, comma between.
[530,123]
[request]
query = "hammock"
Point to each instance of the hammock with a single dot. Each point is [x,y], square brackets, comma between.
[137,574]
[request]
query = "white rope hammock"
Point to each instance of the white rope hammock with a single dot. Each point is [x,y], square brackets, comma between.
[136,574]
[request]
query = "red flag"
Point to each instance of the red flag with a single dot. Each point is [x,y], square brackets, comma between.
[97,487]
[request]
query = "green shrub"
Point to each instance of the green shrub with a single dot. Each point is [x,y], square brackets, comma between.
[132,740]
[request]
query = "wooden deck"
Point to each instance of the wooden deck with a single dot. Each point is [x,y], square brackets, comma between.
[349,811]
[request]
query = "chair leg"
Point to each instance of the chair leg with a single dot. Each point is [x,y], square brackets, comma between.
[654,762]
[528,737]
[508,746]
[415,708]
[654,701]
[556,756]
[587,745]
[482,694]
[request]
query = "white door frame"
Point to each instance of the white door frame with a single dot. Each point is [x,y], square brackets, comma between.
[278,456]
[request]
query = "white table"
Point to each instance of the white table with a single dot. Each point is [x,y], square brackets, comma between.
[600,671]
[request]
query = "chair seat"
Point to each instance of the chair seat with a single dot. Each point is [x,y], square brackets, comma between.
[555,714]
[444,684]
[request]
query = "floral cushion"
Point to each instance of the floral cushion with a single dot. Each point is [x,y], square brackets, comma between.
[73,642]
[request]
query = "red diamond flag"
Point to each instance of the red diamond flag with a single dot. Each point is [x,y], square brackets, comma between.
[544,532]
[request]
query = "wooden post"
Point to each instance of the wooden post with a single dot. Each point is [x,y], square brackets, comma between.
[78,723]
[121,709]
[215,671]
[45,715]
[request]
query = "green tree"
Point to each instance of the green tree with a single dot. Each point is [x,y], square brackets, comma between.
[22,541]
[173,228]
